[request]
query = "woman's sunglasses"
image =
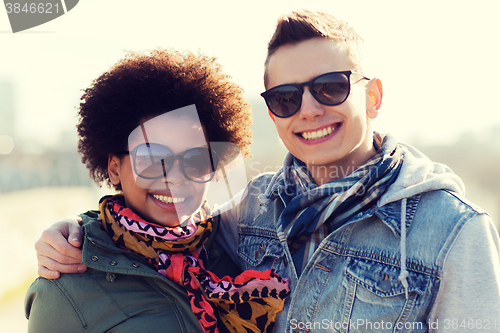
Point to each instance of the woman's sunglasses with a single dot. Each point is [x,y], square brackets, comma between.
[152,161]
[329,89]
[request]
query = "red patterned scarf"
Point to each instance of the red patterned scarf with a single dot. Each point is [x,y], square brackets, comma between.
[247,303]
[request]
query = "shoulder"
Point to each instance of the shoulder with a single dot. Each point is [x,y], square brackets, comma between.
[446,203]
[441,219]
[462,200]
[69,287]
[255,187]
[471,278]
[232,209]
[97,301]
[55,306]
[247,200]
[260,182]
[478,234]
[443,212]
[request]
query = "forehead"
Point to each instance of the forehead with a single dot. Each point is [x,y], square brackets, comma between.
[177,130]
[300,62]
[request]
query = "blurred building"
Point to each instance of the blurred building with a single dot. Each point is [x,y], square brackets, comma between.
[20,170]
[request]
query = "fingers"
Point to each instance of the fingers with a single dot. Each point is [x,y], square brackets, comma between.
[50,269]
[56,238]
[45,250]
[75,235]
[49,274]
[58,250]
[46,273]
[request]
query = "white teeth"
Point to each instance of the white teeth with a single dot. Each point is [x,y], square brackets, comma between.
[318,134]
[178,200]
[168,199]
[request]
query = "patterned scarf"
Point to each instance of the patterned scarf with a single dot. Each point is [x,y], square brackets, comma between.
[249,303]
[312,212]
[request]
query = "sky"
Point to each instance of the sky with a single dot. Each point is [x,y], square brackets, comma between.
[438,60]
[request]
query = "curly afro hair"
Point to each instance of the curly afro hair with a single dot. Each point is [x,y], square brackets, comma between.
[144,85]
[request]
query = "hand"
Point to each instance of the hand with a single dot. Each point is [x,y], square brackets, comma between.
[58,250]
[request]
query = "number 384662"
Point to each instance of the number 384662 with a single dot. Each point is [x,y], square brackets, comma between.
[32,8]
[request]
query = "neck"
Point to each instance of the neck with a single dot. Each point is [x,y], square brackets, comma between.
[323,174]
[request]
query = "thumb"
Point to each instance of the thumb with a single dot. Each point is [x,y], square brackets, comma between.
[75,234]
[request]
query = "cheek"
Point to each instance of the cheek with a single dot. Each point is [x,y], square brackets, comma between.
[149,184]
[359,108]
[357,113]
[282,126]
[200,192]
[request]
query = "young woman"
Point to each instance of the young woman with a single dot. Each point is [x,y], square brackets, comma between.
[157,126]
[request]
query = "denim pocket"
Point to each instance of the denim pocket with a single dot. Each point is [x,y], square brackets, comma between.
[382,280]
[258,250]
[375,295]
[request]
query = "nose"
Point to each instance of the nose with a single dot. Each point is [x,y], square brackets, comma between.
[175,175]
[310,107]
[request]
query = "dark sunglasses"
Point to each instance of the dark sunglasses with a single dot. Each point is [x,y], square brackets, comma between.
[152,161]
[329,89]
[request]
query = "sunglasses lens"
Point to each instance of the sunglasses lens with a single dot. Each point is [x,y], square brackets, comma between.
[152,161]
[200,164]
[284,101]
[331,89]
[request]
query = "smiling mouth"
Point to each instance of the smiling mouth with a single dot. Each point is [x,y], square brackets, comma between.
[312,135]
[168,199]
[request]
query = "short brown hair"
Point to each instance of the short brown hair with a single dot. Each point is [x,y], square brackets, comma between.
[144,85]
[303,25]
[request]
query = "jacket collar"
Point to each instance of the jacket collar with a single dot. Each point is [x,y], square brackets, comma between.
[99,252]
[96,235]
[390,214]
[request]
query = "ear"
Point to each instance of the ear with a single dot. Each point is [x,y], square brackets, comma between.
[271,115]
[374,94]
[114,164]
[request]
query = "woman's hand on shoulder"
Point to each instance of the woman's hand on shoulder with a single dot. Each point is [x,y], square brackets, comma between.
[58,250]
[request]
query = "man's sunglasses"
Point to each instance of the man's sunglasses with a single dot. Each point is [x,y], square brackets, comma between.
[329,89]
[152,161]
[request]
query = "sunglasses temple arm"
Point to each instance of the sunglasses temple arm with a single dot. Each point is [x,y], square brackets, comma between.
[143,129]
[163,167]
[151,154]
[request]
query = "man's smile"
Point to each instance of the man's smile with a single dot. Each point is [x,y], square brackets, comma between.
[319,133]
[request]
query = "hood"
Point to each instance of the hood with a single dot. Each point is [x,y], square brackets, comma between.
[419,174]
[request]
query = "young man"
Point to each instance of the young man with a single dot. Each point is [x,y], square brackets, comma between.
[372,234]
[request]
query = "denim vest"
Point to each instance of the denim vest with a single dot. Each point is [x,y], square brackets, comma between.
[351,282]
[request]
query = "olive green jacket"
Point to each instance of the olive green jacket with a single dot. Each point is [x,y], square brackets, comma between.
[119,292]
